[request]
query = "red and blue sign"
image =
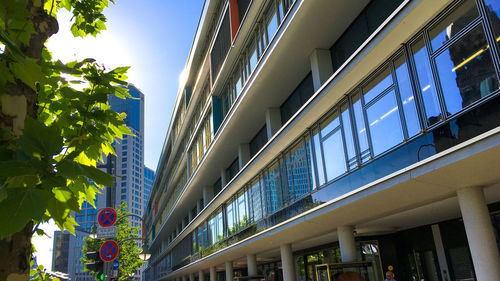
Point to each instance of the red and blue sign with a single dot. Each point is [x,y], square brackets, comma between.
[109,250]
[107,217]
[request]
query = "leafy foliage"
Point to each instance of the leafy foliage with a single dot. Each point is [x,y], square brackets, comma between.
[128,256]
[51,168]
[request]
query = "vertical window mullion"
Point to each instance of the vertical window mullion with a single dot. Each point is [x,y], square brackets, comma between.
[354,130]
[313,152]
[435,78]
[367,125]
[346,156]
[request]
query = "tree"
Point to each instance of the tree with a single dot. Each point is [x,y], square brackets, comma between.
[128,256]
[55,124]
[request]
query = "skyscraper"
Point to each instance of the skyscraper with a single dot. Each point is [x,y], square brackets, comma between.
[133,184]
[333,140]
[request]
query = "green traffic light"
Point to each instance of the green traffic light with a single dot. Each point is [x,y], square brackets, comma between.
[99,276]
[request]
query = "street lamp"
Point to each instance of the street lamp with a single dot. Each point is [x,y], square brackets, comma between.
[93,232]
[144,255]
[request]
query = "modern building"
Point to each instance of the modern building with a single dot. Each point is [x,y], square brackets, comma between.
[133,184]
[319,139]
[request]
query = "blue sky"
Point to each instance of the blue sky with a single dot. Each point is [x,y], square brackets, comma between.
[154,37]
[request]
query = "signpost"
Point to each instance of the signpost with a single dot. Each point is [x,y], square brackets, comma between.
[106,232]
[109,250]
[107,217]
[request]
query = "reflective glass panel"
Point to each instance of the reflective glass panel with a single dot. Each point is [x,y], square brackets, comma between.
[385,124]
[256,199]
[273,188]
[346,124]
[493,10]
[333,151]
[242,202]
[377,85]
[297,171]
[310,159]
[466,71]
[252,56]
[427,88]
[319,158]
[453,23]
[407,98]
[272,24]
[360,123]
[230,212]
[329,124]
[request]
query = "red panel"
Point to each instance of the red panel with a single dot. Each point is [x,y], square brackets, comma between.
[156,208]
[235,18]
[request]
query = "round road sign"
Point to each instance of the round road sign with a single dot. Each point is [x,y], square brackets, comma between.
[107,217]
[109,250]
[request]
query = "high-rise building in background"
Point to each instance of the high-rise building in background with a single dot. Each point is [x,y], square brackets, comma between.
[133,185]
[331,140]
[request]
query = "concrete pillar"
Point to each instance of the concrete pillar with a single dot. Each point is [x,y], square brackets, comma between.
[208,194]
[229,271]
[223,177]
[201,276]
[347,243]
[321,67]
[243,154]
[252,264]
[482,244]
[273,121]
[191,276]
[190,215]
[287,262]
[184,278]
[213,274]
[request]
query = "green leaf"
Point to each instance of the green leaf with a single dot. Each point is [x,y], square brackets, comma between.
[38,138]
[73,170]
[16,168]
[22,205]
[29,72]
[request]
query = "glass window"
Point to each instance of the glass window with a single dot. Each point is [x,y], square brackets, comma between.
[310,160]
[346,125]
[274,194]
[466,71]
[329,124]
[493,10]
[230,212]
[448,27]
[242,204]
[256,199]
[333,152]
[297,171]
[360,125]
[377,85]
[385,123]
[252,56]
[406,94]
[427,88]
[319,159]
[271,23]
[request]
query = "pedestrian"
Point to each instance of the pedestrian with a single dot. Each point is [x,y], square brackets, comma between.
[389,276]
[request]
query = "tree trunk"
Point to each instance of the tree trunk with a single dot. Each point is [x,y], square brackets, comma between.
[18,102]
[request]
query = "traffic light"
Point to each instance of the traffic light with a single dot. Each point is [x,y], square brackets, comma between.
[96,265]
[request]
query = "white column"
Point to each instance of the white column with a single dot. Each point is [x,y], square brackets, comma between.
[252,264]
[229,271]
[243,154]
[273,121]
[190,215]
[482,244]
[201,276]
[287,262]
[347,243]
[223,177]
[321,67]
[191,276]
[213,274]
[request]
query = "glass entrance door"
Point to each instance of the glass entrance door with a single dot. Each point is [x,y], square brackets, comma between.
[322,272]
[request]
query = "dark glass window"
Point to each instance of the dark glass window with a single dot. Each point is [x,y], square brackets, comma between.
[217,186]
[425,81]
[256,199]
[221,46]
[242,8]
[466,71]
[258,141]
[232,170]
[297,98]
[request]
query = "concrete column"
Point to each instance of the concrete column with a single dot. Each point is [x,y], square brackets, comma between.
[321,67]
[252,264]
[287,262]
[243,154]
[184,278]
[213,274]
[223,177]
[191,276]
[273,121]
[229,271]
[190,215]
[347,243]
[482,244]
[201,276]
[208,194]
